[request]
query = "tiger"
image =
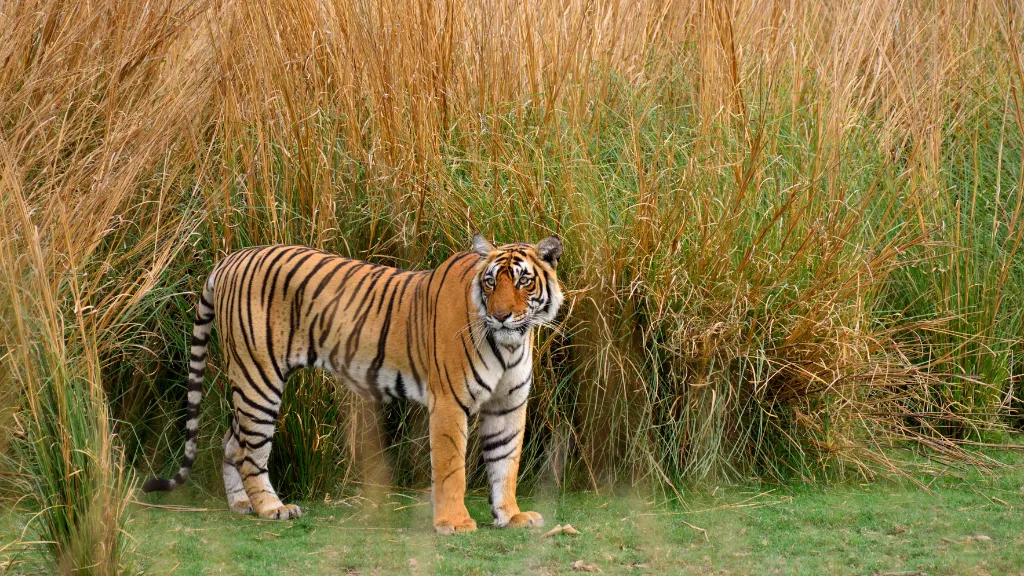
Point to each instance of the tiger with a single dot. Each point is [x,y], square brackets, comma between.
[458,338]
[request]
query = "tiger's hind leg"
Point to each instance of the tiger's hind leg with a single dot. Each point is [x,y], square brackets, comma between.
[238,500]
[256,409]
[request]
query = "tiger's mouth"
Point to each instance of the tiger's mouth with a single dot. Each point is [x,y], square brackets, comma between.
[522,323]
[511,336]
[508,338]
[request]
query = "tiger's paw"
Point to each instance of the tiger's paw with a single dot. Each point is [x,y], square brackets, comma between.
[283,512]
[525,519]
[241,507]
[447,527]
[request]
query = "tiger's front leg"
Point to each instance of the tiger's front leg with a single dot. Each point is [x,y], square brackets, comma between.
[448,436]
[502,423]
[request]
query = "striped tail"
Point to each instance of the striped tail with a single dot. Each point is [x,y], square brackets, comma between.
[196,368]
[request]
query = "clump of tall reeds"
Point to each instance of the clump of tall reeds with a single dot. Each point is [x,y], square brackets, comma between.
[87,135]
[67,457]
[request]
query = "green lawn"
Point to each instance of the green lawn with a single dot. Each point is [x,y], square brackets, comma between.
[968,525]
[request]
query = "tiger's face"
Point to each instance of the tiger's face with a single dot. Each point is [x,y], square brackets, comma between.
[516,287]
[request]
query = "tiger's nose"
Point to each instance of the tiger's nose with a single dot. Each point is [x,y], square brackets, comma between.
[501,316]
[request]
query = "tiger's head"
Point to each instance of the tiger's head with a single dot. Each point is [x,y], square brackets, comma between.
[516,287]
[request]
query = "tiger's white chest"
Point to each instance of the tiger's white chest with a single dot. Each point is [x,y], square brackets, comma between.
[511,380]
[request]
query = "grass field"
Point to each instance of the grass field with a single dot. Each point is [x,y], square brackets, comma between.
[969,525]
[794,241]
[847,530]
[962,522]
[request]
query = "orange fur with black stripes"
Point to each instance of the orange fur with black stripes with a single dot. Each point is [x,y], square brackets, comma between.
[458,339]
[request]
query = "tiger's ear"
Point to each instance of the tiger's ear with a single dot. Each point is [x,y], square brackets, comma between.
[550,249]
[481,246]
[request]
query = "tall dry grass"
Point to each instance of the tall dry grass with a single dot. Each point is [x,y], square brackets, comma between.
[792,228]
[85,171]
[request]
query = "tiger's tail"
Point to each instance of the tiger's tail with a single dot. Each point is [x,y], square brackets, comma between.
[196,368]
